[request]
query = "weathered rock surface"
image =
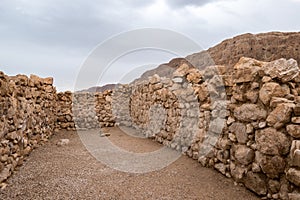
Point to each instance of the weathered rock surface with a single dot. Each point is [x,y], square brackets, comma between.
[256,182]
[272,142]
[250,112]
[293,175]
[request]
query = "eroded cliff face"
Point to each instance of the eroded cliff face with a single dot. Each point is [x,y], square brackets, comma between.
[264,47]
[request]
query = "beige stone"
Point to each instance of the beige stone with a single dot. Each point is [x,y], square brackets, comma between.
[249,113]
[285,70]
[272,166]
[272,142]
[296,120]
[239,130]
[243,154]
[293,130]
[271,89]
[280,115]
[246,70]
[256,182]
[293,175]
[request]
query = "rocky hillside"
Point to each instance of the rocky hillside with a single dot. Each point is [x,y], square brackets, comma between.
[264,47]
[99,88]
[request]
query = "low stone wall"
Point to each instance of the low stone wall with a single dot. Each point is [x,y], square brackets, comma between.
[246,125]
[84,110]
[64,111]
[27,118]
[104,108]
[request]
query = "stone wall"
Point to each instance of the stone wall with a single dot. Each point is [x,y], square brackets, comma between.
[64,111]
[245,124]
[84,110]
[27,118]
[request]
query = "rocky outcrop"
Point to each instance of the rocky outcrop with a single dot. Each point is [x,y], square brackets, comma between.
[264,47]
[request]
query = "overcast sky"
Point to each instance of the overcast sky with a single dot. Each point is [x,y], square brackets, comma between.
[54,37]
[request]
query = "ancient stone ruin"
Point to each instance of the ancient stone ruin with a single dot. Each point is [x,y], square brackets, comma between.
[244,122]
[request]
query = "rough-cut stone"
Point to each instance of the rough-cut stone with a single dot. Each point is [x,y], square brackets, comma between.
[249,113]
[63,142]
[5,173]
[293,175]
[256,182]
[297,109]
[221,168]
[194,76]
[295,153]
[246,70]
[239,130]
[271,89]
[237,172]
[244,155]
[296,120]
[274,186]
[181,71]
[275,101]
[272,142]
[285,70]
[280,115]
[294,196]
[272,166]
[293,130]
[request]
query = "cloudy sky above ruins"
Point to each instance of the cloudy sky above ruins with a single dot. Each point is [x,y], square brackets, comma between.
[53,37]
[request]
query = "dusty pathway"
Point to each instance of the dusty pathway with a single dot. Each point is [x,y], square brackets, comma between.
[70,172]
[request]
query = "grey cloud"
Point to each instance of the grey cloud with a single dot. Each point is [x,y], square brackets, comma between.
[182,3]
[53,37]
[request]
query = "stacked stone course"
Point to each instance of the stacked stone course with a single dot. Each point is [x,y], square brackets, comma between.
[243,122]
[27,118]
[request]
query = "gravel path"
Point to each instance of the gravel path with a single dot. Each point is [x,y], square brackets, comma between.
[70,172]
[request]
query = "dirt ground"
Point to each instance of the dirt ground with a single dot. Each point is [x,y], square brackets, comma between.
[71,172]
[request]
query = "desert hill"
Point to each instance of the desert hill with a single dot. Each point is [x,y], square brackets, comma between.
[264,47]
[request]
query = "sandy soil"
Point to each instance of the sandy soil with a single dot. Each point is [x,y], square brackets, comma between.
[70,172]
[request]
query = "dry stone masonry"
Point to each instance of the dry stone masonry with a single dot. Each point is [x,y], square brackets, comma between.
[27,118]
[65,117]
[243,122]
